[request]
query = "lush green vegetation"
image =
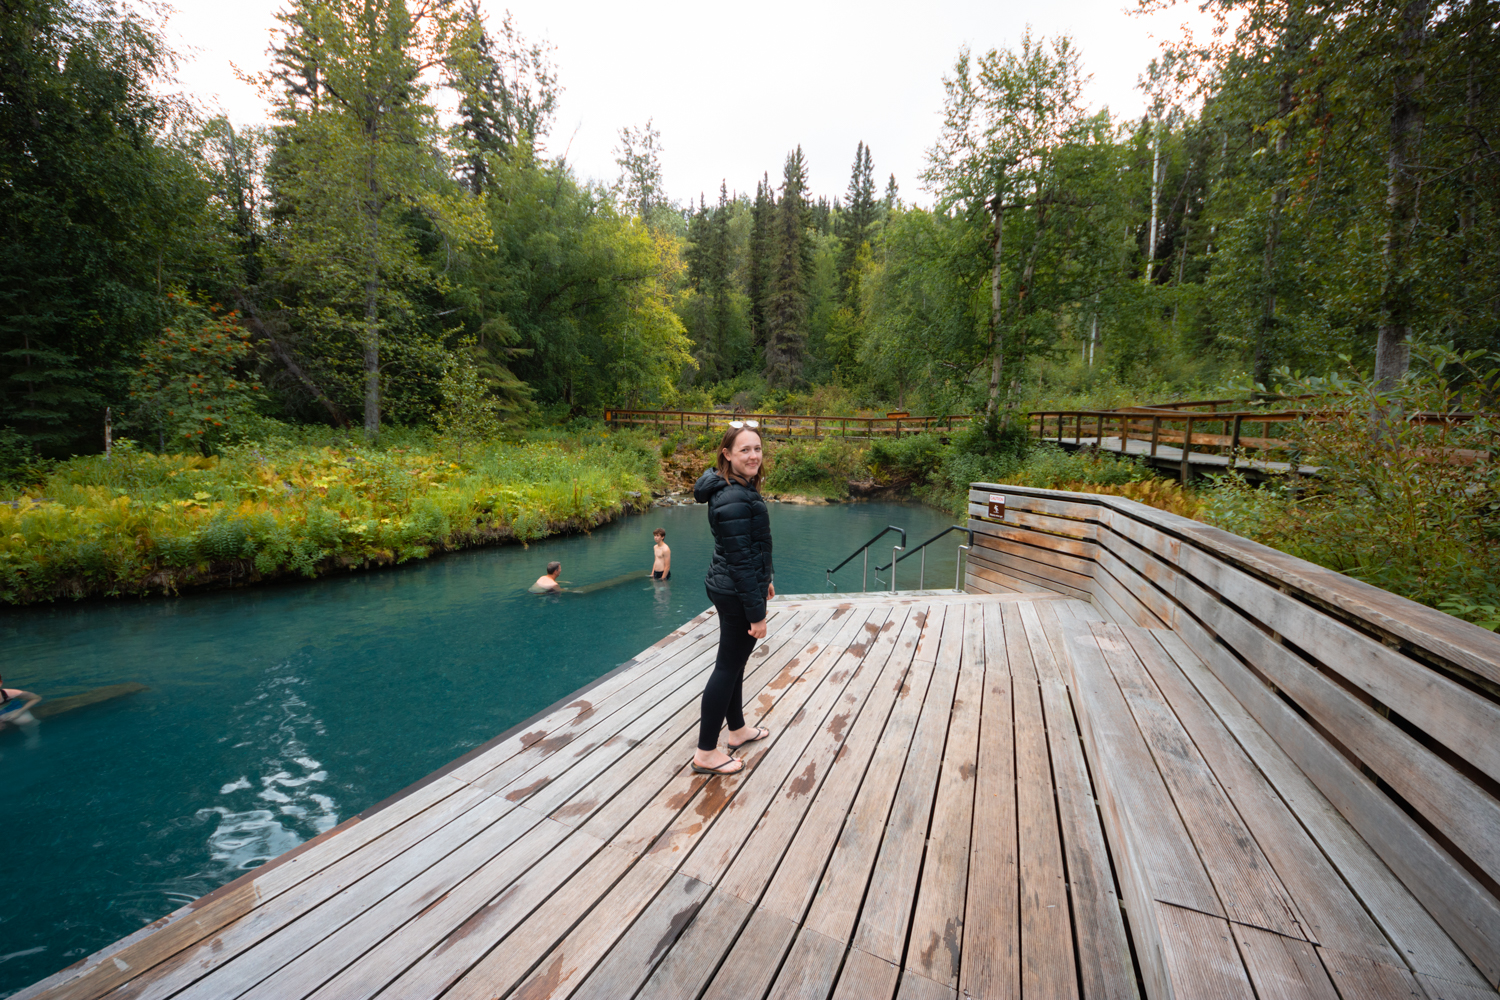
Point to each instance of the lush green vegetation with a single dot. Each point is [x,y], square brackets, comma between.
[300,503]
[1310,183]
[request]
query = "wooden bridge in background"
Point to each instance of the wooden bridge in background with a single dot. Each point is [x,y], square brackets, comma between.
[1138,755]
[786,426]
[1199,436]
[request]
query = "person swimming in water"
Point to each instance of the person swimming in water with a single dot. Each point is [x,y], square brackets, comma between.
[661,569]
[547,582]
[14,704]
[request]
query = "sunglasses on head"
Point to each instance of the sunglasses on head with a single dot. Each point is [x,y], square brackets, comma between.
[752,424]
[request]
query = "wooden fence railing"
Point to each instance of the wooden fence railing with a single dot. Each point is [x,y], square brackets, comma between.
[783,425]
[1215,431]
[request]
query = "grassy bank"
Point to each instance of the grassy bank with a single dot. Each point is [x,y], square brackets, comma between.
[139,523]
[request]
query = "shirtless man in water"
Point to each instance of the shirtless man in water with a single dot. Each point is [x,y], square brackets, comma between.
[661,569]
[547,582]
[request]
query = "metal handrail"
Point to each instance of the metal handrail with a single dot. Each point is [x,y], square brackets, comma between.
[865,548]
[922,577]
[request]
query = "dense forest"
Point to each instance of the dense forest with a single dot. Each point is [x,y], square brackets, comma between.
[1310,183]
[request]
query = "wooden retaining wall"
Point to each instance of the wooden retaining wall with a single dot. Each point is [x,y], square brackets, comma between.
[1389,708]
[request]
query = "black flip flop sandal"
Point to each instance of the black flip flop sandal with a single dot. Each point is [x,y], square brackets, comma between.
[700,769]
[761,732]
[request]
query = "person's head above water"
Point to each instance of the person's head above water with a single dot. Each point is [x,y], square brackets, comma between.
[660,534]
[740,454]
[553,568]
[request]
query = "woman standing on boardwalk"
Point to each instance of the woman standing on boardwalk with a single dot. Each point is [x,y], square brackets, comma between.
[739,585]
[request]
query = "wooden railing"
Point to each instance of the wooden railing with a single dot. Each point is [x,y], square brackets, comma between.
[1222,432]
[1387,707]
[784,425]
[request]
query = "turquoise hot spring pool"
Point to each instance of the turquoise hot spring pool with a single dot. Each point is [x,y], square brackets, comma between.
[274,713]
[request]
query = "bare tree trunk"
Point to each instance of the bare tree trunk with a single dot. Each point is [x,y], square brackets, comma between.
[997,328]
[289,362]
[1393,349]
[1273,227]
[1155,198]
[372,313]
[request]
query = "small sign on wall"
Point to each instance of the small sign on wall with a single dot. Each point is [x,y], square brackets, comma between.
[997,507]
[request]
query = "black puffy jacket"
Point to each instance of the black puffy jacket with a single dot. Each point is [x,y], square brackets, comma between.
[742,541]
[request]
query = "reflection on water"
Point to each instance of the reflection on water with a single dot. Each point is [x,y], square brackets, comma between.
[271,714]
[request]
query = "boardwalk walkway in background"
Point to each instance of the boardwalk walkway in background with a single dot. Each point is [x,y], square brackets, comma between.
[1170,457]
[922,823]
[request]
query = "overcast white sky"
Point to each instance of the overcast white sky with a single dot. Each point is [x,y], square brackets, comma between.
[734,88]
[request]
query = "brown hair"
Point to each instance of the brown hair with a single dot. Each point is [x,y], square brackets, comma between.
[660,533]
[721,463]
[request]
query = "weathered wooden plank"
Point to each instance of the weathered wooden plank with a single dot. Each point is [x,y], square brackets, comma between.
[1415,935]
[1083,549]
[1465,910]
[1465,645]
[600,810]
[405,944]
[561,941]
[979,585]
[678,905]
[1282,967]
[1334,915]
[1149,606]
[1059,556]
[700,952]
[835,907]
[752,963]
[1244,880]
[990,964]
[1034,573]
[886,915]
[789,756]
[1047,967]
[1054,502]
[1449,713]
[528,774]
[792,887]
[987,573]
[1103,950]
[1201,955]
[937,929]
[1143,830]
[786,853]
[362,877]
[810,968]
[1444,796]
[308,953]
[915,986]
[1067,527]
[467,944]
[866,977]
[677,646]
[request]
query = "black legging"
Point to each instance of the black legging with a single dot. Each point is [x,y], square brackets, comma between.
[723,697]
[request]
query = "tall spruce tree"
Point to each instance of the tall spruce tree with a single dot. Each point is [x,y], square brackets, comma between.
[360,158]
[858,210]
[508,95]
[762,247]
[786,306]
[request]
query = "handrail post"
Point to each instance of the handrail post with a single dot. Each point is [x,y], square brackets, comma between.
[922,572]
[894,550]
[1187,449]
[1234,443]
[1155,433]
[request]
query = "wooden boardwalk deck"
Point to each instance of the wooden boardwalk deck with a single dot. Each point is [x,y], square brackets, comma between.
[1170,456]
[927,820]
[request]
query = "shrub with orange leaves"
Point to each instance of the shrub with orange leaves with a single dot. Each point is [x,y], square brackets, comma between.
[188,387]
